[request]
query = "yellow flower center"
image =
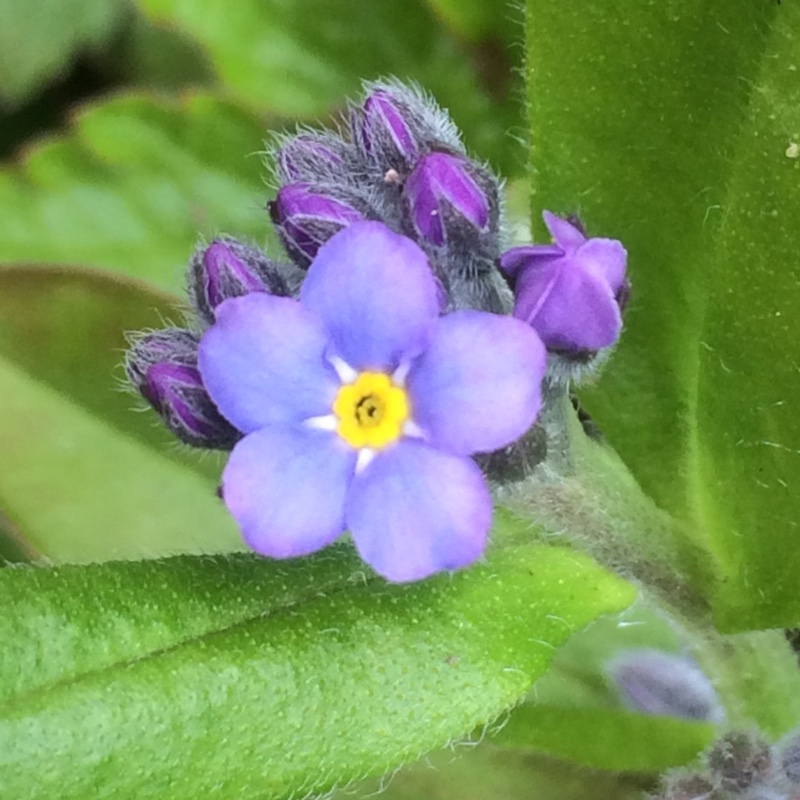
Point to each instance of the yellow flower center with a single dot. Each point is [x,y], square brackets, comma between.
[371,411]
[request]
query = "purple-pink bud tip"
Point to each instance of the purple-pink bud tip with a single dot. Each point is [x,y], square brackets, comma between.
[227,275]
[307,217]
[386,134]
[441,193]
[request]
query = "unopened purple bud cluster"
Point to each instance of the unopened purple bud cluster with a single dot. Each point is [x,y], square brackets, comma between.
[162,364]
[398,159]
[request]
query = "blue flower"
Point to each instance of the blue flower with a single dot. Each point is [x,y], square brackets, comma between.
[361,405]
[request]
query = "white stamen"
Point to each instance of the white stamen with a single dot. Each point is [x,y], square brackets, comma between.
[345,372]
[410,428]
[400,374]
[327,422]
[365,456]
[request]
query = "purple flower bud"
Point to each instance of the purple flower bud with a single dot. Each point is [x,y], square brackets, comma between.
[571,292]
[385,132]
[790,759]
[449,201]
[740,760]
[396,125]
[227,268]
[175,345]
[162,366]
[655,682]
[306,217]
[308,156]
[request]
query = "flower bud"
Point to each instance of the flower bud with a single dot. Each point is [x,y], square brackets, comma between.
[571,292]
[740,760]
[386,132]
[227,268]
[396,125]
[306,217]
[162,366]
[309,156]
[655,682]
[449,201]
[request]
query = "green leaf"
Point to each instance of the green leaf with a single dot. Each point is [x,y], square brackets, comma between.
[80,491]
[747,448]
[575,712]
[610,739]
[475,19]
[39,38]
[669,126]
[67,329]
[277,57]
[14,548]
[80,458]
[134,184]
[478,772]
[171,674]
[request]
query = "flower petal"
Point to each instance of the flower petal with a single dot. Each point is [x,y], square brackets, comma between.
[606,258]
[286,487]
[566,235]
[262,362]
[529,255]
[375,291]
[576,311]
[415,511]
[477,387]
[534,285]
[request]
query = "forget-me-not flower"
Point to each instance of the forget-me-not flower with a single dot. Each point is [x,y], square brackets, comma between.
[360,406]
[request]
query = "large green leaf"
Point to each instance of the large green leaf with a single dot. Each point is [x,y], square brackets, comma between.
[39,38]
[132,186]
[196,676]
[278,56]
[669,125]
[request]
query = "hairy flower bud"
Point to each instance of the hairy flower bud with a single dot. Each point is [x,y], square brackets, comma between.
[307,156]
[655,682]
[162,366]
[740,760]
[450,202]
[396,125]
[572,291]
[387,132]
[306,217]
[227,268]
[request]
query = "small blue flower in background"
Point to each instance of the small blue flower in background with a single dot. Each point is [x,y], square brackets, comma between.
[361,405]
[571,292]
